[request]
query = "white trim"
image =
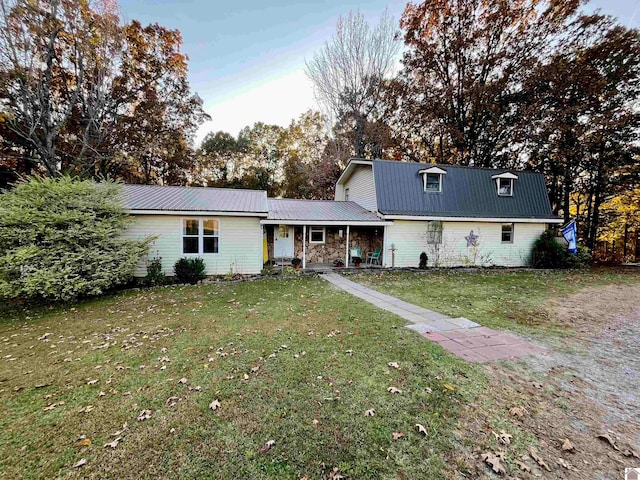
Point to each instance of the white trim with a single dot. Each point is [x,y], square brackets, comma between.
[510,194]
[198,213]
[324,234]
[304,246]
[432,170]
[200,237]
[505,175]
[348,169]
[326,223]
[474,219]
[346,254]
[513,233]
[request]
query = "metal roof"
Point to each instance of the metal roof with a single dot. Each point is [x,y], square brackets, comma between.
[319,210]
[200,199]
[466,192]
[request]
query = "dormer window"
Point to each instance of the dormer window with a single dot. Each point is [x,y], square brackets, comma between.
[504,183]
[432,179]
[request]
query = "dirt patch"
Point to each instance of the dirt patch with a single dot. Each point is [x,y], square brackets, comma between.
[586,388]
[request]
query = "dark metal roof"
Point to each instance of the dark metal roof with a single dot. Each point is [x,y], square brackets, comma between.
[201,199]
[319,210]
[466,192]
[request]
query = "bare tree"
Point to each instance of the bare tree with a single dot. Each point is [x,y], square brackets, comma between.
[347,74]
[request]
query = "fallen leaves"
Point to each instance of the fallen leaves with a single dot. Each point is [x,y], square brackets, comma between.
[214,405]
[449,387]
[523,466]
[394,390]
[627,450]
[79,463]
[518,412]
[172,401]
[534,454]
[267,446]
[113,444]
[53,405]
[494,460]
[421,429]
[144,415]
[370,413]
[397,435]
[503,437]
[183,381]
[394,365]
[83,442]
[567,446]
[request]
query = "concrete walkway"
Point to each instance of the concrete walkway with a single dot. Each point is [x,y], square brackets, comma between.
[460,336]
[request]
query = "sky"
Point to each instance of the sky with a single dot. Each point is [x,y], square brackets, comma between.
[247,57]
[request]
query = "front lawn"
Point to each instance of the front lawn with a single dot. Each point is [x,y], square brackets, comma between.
[293,361]
[517,300]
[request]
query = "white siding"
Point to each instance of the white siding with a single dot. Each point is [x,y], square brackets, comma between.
[409,237]
[240,244]
[361,188]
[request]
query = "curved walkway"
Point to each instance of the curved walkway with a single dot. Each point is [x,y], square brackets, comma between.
[460,336]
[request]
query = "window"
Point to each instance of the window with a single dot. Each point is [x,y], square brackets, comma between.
[316,234]
[505,186]
[507,233]
[346,194]
[432,182]
[200,236]
[434,233]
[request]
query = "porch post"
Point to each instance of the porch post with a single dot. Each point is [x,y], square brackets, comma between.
[304,247]
[346,260]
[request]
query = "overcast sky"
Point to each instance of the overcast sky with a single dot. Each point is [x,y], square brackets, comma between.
[246,57]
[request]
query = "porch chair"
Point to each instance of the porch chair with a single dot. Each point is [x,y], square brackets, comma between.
[355,252]
[374,257]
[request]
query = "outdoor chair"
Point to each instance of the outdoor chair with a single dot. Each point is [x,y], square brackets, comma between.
[355,252]
[374,257]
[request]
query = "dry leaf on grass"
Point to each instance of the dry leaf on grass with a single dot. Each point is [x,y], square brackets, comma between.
[567,446]
[315,422]
[518,412]
[494,461]
[534,454]
[335,474]
[449,387]
[172,401]
[562,462]
[92,382]
[421,429]
[113,444]
[79,463]
[397,435]
[83,442]
[394,365]
[214,405]
[523,466]
[144,415]
[370,413]
[183,381]
[267,446]
[503,437]
[394,390]
[255,369]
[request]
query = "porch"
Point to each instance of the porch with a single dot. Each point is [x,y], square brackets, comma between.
[322,234]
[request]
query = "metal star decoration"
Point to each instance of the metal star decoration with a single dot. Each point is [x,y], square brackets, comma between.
[471,239]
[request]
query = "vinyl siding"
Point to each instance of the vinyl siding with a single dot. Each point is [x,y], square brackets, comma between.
[240,243]
[361,188]
[409,237]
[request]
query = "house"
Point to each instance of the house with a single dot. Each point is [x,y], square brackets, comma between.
[394,210]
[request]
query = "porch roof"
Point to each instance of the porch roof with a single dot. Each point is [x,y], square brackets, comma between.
[319,212]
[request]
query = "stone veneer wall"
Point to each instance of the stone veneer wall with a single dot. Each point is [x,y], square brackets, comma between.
[334,246]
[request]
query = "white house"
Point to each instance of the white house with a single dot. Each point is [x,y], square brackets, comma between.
[389,212]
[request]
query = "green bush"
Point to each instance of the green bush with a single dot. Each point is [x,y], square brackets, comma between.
[548,253]
[190,270]
[155,275]
[61,239]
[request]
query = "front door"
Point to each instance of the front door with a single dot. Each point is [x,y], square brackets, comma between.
[283,241]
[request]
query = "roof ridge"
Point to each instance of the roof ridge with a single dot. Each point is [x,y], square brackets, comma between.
[451,165]
[194,187]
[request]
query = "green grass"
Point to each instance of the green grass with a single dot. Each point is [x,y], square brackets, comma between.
[322,355]
[513,300]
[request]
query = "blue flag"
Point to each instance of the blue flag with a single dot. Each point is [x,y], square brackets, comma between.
[571,235]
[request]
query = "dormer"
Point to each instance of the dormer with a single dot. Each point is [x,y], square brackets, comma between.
[504,183]
[432,179]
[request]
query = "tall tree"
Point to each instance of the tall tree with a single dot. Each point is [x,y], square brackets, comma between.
[457,97]
[348,74]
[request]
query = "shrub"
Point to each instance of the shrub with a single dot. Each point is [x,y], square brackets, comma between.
[423,261]
[548,253]
[61,239]
[155,275]
[190,270]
